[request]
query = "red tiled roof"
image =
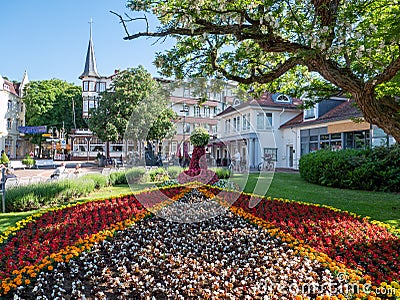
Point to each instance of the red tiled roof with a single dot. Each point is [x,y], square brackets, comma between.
[343,111]
[13,87]
[264,101]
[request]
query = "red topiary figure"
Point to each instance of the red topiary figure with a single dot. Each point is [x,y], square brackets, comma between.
[198,165]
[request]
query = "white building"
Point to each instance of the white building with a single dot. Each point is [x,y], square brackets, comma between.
[252,128]
[184,101]
[12,114]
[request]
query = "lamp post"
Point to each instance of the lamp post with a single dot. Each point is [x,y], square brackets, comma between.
[184,110]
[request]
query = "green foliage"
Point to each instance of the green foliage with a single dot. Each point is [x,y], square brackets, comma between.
[158,174]
[99,180]
[117,178]
[131,107]
[28,161]
[163,126]
[4,158]
[375,169]
[174,171]
[222,173]
[288,46]
[135,175]
[50,102]
[199,137]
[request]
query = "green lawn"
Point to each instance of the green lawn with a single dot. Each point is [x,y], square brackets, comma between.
[384,207]
[380,206]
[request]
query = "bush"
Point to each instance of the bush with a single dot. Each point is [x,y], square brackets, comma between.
[222,173]
[35,196]
[159,174]
[135,175]
[174,171]
[199,137]
[4,158]
[99,180]
[28,161]
[375,169]
[117,178]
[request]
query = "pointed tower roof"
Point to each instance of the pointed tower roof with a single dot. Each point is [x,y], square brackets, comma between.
[24,82]
[90,64]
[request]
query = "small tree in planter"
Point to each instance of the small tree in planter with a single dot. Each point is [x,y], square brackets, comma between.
[198,164]
[28,161]
[4,159]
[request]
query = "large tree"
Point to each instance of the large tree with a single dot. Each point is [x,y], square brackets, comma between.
[135,107]
[53,102]
[352,45]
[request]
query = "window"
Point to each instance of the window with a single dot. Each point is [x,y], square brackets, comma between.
[283,98]
[206,111]
[6,87]
[9,105]
[217,110]
[101,87]
[86,86]
[92,86]
[244,121]
[310,114]
[9,123]
[271,152]
[248,121]
[186,92]
[264,120]
[197,111]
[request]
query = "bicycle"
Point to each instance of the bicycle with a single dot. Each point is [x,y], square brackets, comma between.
[233,167]
[266,164]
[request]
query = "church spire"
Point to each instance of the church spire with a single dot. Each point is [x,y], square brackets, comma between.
[90,64]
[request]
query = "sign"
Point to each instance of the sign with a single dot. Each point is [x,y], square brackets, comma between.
[32,129]
[51,140]
[46,134]
[63,144]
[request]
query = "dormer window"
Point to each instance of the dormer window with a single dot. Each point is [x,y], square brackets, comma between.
[236,102]
[310,113]
[281,98]
[6,87]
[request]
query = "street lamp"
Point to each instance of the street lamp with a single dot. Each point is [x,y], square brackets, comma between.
[184,110]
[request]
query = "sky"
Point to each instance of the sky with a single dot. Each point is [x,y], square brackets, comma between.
[49,39]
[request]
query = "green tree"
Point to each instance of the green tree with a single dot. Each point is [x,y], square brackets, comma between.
[133,108]
[53,102]
[345,46]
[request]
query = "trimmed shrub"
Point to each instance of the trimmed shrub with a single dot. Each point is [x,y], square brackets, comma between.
[28,161]
[222,173]
[135,175]
[117,178]
[375,169]
[99,180]
[158,174]
[199,137]
[174,171]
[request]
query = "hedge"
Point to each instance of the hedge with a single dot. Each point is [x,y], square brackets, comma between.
[376,169]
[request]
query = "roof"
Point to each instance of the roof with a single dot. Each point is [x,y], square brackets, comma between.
[265,100]
[90,64]
[343,111]
[13,87]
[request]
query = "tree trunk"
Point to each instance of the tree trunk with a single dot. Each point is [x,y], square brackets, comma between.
[385,113]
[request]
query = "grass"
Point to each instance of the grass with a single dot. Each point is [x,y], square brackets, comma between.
[380,206]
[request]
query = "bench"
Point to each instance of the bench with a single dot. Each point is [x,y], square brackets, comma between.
[45,163]
[17,164]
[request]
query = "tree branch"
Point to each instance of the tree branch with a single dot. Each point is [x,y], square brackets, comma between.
[387,74]
[263,77]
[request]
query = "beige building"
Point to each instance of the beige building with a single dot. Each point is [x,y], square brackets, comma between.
[12,115]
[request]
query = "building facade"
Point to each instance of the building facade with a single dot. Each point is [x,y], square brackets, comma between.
[12,114]
[252,128]
[184,100]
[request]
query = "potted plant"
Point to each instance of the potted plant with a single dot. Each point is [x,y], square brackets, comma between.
[28,161]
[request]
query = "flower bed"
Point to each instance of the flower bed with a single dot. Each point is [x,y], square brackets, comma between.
[348,239]
[292,244]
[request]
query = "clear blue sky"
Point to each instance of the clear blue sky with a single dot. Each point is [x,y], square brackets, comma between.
[49,39]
